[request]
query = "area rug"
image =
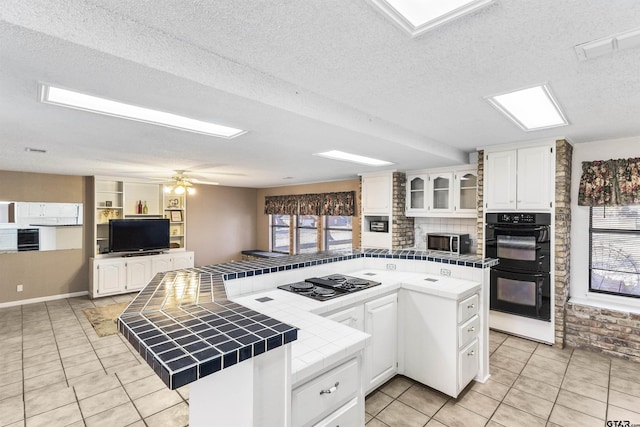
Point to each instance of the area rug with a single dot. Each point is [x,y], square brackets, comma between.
[105,319]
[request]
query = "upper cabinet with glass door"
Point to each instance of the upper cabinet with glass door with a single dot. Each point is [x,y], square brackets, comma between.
[442,193]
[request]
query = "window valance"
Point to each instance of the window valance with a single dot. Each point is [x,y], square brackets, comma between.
[338,204]
[610,183]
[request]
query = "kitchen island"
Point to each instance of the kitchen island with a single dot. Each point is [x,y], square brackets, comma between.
[191,327]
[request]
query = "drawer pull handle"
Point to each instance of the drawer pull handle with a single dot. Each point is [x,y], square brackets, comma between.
[471,306]
[330,390]
[471,353]
[471,329]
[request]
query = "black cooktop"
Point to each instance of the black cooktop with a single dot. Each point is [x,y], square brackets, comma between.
[328,287]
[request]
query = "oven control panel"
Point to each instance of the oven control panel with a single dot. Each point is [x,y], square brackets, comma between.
[519,218]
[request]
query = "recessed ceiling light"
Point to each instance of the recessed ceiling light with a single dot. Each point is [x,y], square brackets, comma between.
[354,158]
[72,99]
[533,108]
[419,16]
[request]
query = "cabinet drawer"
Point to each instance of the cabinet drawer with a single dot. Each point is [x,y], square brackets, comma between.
[325,394]
[349,415]
[467,308]
[468,331]
[468,364]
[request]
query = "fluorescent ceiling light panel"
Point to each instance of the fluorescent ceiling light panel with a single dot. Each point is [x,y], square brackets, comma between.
[419,16]
[533,108]
[69,98]
[354,158]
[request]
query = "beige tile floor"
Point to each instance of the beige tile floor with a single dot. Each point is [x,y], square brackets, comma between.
[55,371]
[531,384]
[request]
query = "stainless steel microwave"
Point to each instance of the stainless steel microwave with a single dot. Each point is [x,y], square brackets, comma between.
[379,226]
[455,243]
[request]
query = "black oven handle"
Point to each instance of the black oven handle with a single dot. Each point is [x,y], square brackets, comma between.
[517,227]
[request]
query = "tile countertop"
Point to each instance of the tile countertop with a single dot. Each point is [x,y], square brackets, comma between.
[322,342]
[186,328]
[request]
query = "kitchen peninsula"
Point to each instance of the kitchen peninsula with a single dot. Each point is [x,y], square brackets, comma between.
[229,331]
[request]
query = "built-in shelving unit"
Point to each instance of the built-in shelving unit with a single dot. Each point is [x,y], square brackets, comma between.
[117,198]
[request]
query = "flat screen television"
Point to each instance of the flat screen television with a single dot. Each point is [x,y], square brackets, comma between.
[138,235]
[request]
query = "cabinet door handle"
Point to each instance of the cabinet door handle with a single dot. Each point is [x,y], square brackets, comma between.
[471,306]
[471,329]
[471,353]
[330,390]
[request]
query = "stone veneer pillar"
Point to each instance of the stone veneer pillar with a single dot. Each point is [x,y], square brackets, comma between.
[402,228]
[564,154]
[480,203]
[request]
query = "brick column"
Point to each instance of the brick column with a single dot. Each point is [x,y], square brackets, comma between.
[402,228]
[564,153]
[480,203]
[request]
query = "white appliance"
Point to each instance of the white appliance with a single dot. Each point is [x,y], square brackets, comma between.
[8,239]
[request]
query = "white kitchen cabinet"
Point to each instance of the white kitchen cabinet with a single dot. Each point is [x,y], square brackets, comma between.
[381,356]
[331,398]
[352,317]
[378,318]
[26,213]
[519,179]
[442,193]
[377,194]
[440,338]
[128,274]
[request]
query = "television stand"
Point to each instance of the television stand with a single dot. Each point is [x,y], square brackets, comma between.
[122,274]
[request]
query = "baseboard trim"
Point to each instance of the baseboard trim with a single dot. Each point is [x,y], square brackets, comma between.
[42,299]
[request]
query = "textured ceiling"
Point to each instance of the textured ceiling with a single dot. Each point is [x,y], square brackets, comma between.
[301,77]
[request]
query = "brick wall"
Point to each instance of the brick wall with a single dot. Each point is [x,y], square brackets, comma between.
[564,153]
[402,227]
[614,333]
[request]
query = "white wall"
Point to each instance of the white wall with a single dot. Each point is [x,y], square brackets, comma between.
[598,150]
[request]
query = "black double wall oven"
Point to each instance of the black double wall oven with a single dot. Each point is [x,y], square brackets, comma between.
[520,283]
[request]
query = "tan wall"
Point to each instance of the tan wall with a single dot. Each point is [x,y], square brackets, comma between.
[43,273]
[221,222]
[324,187]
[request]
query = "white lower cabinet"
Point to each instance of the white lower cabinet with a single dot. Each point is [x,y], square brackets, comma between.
[378,318]
[440,339]
[332,398]
[112,276]
[381,355]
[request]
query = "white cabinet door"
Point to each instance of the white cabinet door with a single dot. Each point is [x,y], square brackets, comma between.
[352,317]
[161,263]
[534,178]
[441,192]
[182,260]
[417,187]
[110,277]
[138,273]
[381,357]
[376,194]
[465,192]
[500,180]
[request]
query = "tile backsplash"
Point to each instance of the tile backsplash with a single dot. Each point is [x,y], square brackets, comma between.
[423,226]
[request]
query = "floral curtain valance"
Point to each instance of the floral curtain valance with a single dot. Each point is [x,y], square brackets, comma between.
[338,204]
[610,183]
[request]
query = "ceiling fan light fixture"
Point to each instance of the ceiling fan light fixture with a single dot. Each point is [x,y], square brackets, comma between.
[95,104]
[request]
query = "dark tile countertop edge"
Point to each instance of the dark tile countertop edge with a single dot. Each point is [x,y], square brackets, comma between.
[185,328]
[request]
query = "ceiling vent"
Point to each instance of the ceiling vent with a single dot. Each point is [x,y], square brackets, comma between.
[607,45]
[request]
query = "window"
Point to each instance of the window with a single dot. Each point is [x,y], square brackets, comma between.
[338,232]
[310,233]
[307,234]
[614,257]
[280,233]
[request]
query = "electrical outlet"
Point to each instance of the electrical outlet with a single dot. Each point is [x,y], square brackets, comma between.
[391,266]
[19,288]
[445,272]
